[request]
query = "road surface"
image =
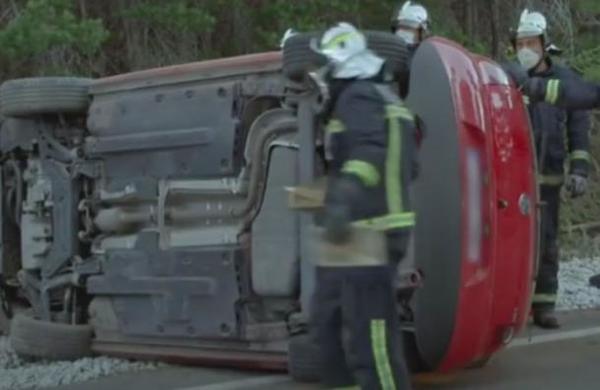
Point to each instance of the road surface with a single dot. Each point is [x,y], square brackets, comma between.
[564,359]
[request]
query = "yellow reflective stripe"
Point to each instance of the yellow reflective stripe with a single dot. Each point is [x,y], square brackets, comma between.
[551,180]
[398,111]
[581,155]
[335,126]
[390,221]
[544,298]
[337,39]
[526,99]
[552,91]
[393,186]
[365,171]
[549,90]
[380,353]
[556,91]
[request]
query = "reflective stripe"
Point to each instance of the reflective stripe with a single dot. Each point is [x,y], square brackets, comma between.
[556,91]
[380,353]
[335,126]
[581,155]
[398,111]
[391,221]
[337,39]
[365,171]
[544,298]
[393,162]
[551,180]
[526,99]
[552,91]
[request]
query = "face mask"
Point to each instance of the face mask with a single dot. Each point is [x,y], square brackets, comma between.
[408,36]
[528,58]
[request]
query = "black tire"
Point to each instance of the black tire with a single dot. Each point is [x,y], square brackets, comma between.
[303,359]
[299,58]
[4,321]
[392,49]
[47,340]
[44,95]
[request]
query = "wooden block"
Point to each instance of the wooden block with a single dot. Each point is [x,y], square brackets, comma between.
[309,197]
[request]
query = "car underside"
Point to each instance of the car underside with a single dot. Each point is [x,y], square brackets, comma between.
[148,214]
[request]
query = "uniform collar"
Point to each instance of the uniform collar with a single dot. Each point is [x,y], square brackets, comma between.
[548,72]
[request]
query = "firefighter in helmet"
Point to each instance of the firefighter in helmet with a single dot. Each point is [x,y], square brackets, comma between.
[561,135]
[370,153]
[411,24]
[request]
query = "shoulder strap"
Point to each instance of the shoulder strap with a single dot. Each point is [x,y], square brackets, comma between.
[387,94]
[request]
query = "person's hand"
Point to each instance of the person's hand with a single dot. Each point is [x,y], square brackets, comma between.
[576,185]
[535,88]
[516,72]
[532,87]
[337,224]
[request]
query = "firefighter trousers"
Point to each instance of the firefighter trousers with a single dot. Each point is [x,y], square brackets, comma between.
[357,329]
[547,277]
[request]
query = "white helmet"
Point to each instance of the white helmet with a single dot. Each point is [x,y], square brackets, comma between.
[346,48]
[531,24]
[290,32]
[412,16]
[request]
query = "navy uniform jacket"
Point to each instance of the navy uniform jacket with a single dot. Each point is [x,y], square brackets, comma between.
[561,134]
[371,142]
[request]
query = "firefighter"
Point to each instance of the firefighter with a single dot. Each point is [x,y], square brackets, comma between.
[556,131]
[411,23]
[568,94]
[370,152]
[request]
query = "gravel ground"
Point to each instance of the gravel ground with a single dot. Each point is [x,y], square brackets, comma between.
[16,374]
[575,291]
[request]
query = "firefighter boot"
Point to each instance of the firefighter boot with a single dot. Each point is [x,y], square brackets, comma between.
[545,319]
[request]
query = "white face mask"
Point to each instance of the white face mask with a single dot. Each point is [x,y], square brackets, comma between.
[528,58]
[408,36]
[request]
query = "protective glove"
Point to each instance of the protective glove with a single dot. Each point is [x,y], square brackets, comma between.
[576,185]
[533,87]
[337,224]
[516,72]
[344,193]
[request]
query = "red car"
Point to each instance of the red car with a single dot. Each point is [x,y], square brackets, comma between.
[146,214]
[476,235]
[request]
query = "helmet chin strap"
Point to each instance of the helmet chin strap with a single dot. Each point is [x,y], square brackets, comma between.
[543,59]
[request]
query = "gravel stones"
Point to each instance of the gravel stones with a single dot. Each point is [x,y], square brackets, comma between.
[18,374]
[575,291]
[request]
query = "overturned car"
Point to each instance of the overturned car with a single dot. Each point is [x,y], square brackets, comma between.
[146,215]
